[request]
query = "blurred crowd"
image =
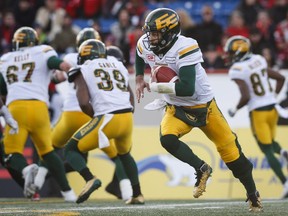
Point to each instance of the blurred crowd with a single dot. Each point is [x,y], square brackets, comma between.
[265,22]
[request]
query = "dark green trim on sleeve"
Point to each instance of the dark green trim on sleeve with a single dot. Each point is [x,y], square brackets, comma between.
[139,65]
[186,85]
[54,62]
[3,86]
[189,53]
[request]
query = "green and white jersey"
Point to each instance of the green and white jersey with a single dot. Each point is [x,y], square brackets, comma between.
[107,81]
[184,52]
[254,72]
[26,73]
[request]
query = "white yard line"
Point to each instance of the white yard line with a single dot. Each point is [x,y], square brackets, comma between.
[202,205]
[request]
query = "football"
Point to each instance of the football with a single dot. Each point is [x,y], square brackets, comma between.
[165,74]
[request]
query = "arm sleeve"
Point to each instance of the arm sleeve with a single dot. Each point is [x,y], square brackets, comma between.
[73,73]
[186,85]
[54,62]
[139,65]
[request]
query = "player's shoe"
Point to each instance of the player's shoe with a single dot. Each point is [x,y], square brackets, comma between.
[29,173]
[36,196]
[285,190]
[114,189]
[126,189]
[88,189]
[69,196]
[139,200]
[254,202]
[202,176]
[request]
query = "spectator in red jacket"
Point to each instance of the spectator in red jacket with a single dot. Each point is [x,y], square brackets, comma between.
[236,25]
[281,39]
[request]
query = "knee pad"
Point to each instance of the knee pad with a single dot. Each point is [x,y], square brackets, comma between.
[170,143]
[230,151]
[240,167]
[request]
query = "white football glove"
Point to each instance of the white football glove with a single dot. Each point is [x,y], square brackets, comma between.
[232,111]
[282,112]
[165,88]
[9,120]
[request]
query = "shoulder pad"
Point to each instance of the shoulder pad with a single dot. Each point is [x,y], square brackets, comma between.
[139,47]
[188,50]
[72,73]
[47,48]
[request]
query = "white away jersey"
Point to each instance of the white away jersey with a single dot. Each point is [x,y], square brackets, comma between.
[107,81]
[70,99]
[184,52]
[254,72]
[26,73]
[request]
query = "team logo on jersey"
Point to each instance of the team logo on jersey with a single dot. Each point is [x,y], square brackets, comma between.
[170,59]
[150,57]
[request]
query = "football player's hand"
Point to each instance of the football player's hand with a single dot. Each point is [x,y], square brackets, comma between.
[140,86]
[9,120]
[13,124]
[153,85]
[59,76]
[232,112]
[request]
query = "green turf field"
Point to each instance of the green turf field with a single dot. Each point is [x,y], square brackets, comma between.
[57,207]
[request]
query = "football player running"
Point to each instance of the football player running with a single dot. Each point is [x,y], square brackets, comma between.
[252,75]
[190,102]
[103,94]
[26,72]
[72,118]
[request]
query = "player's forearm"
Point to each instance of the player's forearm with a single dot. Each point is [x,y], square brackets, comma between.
[65,66]
[139,65]
[87,109]
[132,101]
[187,77]
[242,102]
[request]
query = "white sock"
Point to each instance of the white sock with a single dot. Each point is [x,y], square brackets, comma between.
[126,189]
[40,177]
[27,169]
[283,152]
[69,196]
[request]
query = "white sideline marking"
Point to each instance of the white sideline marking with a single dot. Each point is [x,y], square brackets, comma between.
[146,206]
[203,205]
